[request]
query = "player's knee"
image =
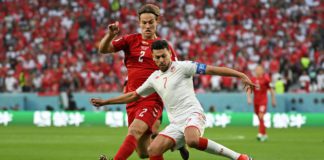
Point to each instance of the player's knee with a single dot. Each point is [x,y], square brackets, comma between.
[192,143]
[143,155]
[137,133]
[260,115]
[153,150]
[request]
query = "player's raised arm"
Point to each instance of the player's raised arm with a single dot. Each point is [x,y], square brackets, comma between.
[105,45]
[224,71]
[122,99]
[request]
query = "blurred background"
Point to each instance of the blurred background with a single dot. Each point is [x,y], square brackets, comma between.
[49,62]
[51,46]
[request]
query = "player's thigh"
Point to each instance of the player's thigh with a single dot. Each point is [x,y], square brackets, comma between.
[191,132]
[260,110]
[149,113]
[196,120]
[195,126]
[156,126]
[160,145]
[138,128]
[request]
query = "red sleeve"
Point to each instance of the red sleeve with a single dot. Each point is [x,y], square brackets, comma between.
[174,54]
[120,43]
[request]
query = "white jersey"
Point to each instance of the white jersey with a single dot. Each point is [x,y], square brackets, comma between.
[175,87]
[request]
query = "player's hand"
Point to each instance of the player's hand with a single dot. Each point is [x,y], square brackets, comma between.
[248,85]
[97,102]
[113,29]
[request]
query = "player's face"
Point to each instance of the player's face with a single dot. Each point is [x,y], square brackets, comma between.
[259,71]
[162,58]
[148,24]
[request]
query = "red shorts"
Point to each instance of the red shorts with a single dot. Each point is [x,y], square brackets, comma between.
[260,108]
[148,112]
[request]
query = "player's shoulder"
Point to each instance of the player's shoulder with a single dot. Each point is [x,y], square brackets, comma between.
[183,63]
[182,66]
[134,36]
[156,74]
[129,37]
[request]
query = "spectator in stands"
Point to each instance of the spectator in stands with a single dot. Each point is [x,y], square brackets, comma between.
[304,81]
[320,80]
[11,82]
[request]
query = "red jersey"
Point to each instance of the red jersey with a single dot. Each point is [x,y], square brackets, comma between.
[260,92]
[139,63]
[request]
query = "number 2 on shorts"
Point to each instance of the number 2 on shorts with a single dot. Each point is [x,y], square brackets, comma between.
[142,113]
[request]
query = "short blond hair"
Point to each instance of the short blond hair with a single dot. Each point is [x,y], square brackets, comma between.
[149,8]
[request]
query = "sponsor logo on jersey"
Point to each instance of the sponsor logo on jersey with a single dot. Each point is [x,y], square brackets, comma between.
[143,48]
[172,69]
[145,43]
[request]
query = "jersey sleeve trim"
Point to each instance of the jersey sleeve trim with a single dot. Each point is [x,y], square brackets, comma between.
[138,94]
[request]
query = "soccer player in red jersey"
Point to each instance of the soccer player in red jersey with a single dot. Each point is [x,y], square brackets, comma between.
[143,114]
[260,101]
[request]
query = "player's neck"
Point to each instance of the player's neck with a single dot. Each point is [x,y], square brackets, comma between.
[150,37]
[167,67]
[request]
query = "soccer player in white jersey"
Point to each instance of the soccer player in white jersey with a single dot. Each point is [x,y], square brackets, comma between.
[174,84]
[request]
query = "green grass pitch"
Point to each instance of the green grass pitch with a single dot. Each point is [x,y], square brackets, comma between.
[86,143]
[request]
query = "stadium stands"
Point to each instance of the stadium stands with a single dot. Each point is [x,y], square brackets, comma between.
[51,46]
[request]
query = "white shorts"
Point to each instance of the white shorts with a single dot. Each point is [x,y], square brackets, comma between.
[175,130]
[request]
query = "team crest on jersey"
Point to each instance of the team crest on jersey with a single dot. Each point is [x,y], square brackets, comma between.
[157,77]
[143,48]
[145,43]
[172,69]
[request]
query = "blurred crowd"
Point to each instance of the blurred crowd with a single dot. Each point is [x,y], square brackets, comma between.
[51,46]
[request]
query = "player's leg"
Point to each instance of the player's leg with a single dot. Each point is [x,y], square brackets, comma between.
[158,146]
[155,127]
[262,129]
[135,131]
[183,150]
[142,144]
[193,139]
[148,115]
[193,132]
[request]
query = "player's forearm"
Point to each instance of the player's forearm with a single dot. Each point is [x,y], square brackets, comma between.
[105,45]
[223,71]
[122,99]
[248,94]
[272,93]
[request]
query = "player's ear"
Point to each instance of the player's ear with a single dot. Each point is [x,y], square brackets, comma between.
[158,19]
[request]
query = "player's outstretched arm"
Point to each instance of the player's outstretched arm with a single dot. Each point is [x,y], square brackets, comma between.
[105,45]
[122,99]
[224,71]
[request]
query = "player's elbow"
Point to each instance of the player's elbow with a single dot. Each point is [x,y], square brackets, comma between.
[133,97]
[103,49]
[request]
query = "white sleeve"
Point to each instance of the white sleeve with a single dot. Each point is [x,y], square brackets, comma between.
[145,89]
[189,67]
